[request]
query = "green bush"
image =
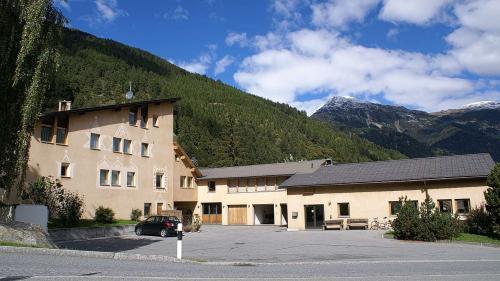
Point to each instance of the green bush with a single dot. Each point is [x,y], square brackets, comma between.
[71,209]
[196,223]
[406,225]
[492,197]
[104,215]
[135,215]
[63,205]
[425,223]
[479,222]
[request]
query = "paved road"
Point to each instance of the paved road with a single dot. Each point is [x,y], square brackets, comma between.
[33,267]
[315,255]
[266,244]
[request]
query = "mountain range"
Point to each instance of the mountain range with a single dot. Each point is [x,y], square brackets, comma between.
[473,128]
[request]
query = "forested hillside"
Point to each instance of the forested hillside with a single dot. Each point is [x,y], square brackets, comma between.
[217,124]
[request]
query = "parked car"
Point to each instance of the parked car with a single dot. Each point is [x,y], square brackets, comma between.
[158,225]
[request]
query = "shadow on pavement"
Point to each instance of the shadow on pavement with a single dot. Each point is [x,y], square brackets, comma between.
[112,244]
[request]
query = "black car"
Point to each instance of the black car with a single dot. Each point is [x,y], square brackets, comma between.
[158,225]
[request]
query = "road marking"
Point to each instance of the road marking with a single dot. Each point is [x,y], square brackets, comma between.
[350,262]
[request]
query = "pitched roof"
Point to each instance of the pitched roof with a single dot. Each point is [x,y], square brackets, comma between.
[278,169]
[111,106]
[418,169]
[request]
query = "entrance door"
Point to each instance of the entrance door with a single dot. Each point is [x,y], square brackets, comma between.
[284,214]
[159,208]
[314,215]
[212,213]
[237,214]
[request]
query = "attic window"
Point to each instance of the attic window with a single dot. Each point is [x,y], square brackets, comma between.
[144,116]
[132,116]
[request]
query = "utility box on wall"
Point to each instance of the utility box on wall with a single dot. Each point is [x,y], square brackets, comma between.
[34,214]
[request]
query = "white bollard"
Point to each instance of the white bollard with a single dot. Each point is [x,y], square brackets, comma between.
[179,240]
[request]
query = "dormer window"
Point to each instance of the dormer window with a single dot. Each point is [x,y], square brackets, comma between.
[132,117]
[144,117]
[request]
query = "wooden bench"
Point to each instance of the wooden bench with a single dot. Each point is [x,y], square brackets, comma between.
[357,223]
[333,224]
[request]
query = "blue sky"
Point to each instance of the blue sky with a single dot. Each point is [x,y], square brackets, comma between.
[423,54]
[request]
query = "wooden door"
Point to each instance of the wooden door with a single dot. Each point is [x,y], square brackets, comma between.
[237,214]
[159,208]
[212,213]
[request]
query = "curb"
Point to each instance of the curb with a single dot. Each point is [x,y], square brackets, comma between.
[90,254]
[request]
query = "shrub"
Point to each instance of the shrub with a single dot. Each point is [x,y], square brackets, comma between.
[104,215]
[187,228]
[135,215]
[407,222]
[425,223]
[71,209]
[479,222]
[63,205]
[492,197]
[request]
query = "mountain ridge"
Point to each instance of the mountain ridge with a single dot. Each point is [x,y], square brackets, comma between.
[471,129]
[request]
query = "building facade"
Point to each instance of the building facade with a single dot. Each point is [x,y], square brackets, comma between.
[118,156]
[247,195]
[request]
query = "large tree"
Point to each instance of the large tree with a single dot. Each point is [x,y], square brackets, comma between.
[492,196]
[29,35]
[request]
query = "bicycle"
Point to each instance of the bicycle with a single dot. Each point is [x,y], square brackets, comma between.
[380,225]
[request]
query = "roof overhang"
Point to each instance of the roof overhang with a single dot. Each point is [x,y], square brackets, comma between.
[186,160]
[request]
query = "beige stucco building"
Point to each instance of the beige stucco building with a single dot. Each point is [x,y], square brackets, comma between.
[303,195]
[119,156]
[124,157]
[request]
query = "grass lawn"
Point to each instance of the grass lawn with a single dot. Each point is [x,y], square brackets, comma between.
[12,244]
[467,237]
[91,223]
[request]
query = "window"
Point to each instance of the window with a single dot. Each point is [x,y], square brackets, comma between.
[132,117]
[147,209]
[159,180]
[155,121]
[94,141]
[65,172]
[130,178]
[463,206]
[46,133]
[115,178]
[144,149]
[414,203]
[116,144]
[233,182]
[144,117]
[62,129]
[61,136]
[251,182]
[104,177]
[127,144]
[270,181]
[183,182]
[343,209]
[242,182]
[211,186]
[445,205]
[394,206]
[261,182]
[189,182]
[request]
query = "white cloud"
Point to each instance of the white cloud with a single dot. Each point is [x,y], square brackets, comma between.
[201,64]
[312,61]
[108,10]
[64,4]
[412,11]
[237,38]
[222,64]
[476,43]
[180,13]
[338,13]
[392,33]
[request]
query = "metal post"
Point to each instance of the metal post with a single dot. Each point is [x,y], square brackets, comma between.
[179,240]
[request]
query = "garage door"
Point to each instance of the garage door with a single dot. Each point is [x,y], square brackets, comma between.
[237,214]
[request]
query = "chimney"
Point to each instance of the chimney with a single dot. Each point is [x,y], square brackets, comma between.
[64,105]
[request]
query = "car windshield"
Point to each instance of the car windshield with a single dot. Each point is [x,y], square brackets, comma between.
[150,219]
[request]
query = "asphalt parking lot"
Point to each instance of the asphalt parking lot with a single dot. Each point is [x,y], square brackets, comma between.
[270,244]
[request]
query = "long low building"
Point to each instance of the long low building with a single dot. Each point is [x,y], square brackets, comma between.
[302,195]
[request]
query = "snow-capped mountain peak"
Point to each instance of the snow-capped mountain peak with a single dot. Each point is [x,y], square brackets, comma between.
[482,105]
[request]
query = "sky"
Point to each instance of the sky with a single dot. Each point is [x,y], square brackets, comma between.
[428,55]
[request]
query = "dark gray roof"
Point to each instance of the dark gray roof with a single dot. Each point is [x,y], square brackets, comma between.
[433,168]
[278,169]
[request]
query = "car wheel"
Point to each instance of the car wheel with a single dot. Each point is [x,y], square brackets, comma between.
[164,233]
[138,231]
